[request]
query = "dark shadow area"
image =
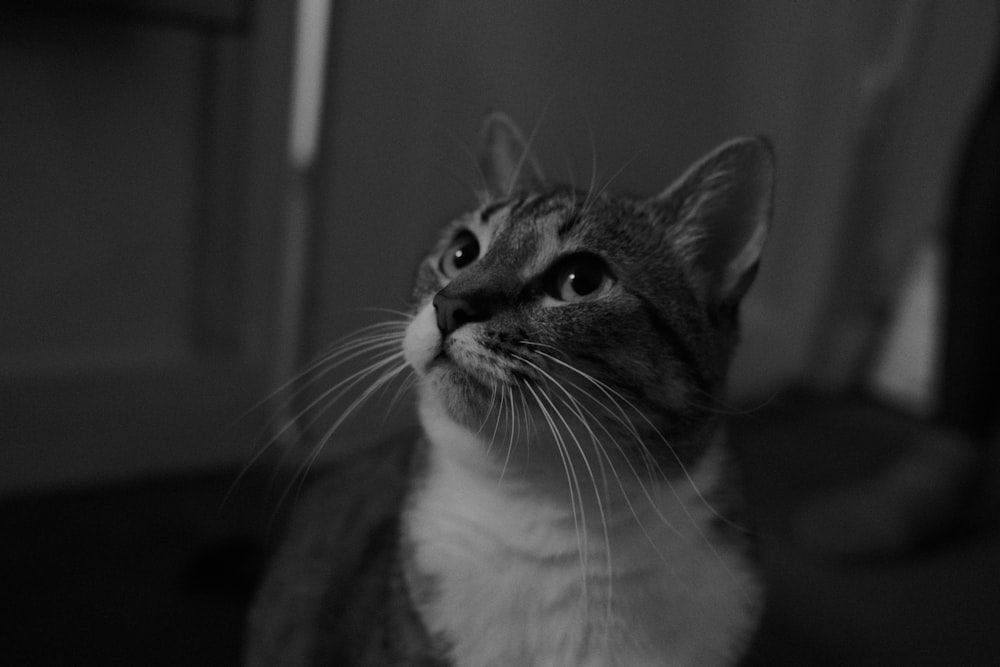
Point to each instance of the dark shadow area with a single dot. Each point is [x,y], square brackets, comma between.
[161,572]
[936,603]
[146,573]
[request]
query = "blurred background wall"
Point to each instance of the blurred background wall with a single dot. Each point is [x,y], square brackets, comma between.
[142,174]
[638,92]
[145,180]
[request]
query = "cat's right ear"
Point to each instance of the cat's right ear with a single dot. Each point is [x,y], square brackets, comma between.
[719,214]
[505,159]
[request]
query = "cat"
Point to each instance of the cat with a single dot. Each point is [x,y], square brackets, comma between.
[570,499]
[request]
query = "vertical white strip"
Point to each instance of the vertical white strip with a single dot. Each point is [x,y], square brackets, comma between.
[312,31]
[306,111]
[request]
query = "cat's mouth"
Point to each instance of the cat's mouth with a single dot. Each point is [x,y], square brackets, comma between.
[442,356]
[443,361]
[458,364]
[466,360]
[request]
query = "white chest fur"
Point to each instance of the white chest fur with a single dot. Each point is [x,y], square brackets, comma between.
[518,580]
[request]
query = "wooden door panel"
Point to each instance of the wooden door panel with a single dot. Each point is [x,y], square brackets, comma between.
[135,251]
[97,178]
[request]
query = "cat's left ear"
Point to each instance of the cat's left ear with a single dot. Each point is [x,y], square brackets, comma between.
[505,158]
[720,211]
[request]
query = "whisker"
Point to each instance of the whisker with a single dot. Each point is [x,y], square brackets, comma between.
[579,518]
[352,341]
[334,393]
[404,315]
[496,424]
[403,388]
[329,362]
[349,341]
[722,408]
[364,344]
[578,409]
[526,155]
[482,196]
[590,471]
[510,443]
[306,466]
[694,485]
[616,175]
[486,417]
[370,340]
[593,167]
[337,392]
[529,423]
[447,169]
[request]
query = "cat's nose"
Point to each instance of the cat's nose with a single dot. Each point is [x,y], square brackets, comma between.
[454,311]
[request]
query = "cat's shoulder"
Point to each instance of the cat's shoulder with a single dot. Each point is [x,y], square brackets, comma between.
[336,567]
[345,499]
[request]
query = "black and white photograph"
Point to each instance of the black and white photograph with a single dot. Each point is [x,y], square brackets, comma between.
[468,333]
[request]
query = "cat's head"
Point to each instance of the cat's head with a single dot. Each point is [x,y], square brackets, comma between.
[590,311]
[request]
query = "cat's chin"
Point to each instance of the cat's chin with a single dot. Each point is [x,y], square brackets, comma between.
[464,397]
[464,388]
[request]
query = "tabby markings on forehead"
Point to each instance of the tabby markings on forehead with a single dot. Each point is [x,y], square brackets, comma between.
[567,225]
[545,243]
[540,205]
[492,209]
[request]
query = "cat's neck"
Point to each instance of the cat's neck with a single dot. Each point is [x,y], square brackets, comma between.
[572,490]
[609,568]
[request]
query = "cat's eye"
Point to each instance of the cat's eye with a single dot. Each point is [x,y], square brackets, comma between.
[462,251]
[579,276]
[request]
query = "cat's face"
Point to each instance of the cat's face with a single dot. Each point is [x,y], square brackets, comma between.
[603,314]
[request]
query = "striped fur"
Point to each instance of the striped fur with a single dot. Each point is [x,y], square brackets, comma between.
[598,415]
[571,501]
